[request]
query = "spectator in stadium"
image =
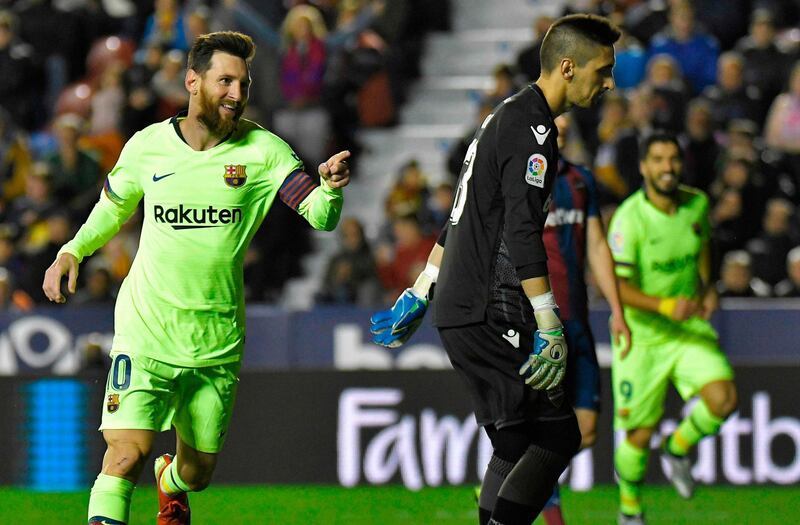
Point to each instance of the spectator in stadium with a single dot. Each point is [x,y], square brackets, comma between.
[504,85]
[76,173]
[782,131]
[10,259]
[15,160]
[641,19]
[141,104]
[670,93]
[790,287]
[304,56]
[57,228]
[736,277]
[458,151]
[729,228]
[28,213]
[20,85]
[408,196]
[730,98]
[623,154]
[351,276]
[769,249]
[166,26]
[738,174]
[108,101]
[439,205]
[629,69]
[168,85]
[614,125]
[699,145]
[765,66]
[528,65]
[695,50]
[400,263]
[98,290]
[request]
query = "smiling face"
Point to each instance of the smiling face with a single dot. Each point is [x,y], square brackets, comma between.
[661,168]
[221,93]
[588,82]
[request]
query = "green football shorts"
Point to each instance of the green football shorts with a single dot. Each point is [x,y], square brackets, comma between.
[145,394]
[640,380]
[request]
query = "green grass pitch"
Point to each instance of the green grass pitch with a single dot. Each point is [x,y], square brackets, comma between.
[254,504]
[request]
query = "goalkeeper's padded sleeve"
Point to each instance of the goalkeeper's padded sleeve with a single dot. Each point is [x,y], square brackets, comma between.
[107,217]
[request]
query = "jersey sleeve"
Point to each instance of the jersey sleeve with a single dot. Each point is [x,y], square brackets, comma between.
[623,239]
[121,194]
[524,197]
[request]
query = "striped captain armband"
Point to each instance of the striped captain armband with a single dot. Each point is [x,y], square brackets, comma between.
[113,197]
[296,187]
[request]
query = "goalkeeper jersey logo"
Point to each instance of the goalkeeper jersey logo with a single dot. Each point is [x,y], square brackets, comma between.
[235,175]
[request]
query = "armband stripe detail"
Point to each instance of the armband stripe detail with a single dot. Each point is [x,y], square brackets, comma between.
[295,188]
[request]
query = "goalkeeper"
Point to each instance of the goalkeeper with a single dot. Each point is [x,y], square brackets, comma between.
[659,239]
[494,308]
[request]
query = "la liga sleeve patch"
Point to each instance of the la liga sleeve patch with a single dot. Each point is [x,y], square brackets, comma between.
[537,167]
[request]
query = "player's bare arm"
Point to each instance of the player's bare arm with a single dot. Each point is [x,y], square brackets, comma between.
[602,265]
[65,264]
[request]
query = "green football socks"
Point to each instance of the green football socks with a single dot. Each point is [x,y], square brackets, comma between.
[110,500]
[630,463]
[171,482]
[700,422]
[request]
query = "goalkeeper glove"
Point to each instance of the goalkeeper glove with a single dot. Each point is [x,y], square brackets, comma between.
[547,363]
[391,328]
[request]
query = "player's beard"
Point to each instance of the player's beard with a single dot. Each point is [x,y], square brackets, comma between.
[210,115]
[667,190]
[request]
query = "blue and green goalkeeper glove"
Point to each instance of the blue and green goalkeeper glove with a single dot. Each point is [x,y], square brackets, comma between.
[391,328]
[547,363]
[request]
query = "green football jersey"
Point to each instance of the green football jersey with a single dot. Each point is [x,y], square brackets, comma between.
[182,301]
[660,253]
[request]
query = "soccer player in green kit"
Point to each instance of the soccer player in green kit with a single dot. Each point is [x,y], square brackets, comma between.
[659,239]
[208,178]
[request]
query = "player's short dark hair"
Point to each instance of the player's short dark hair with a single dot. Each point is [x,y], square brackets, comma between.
[658,136]
[231,42]
[576,36]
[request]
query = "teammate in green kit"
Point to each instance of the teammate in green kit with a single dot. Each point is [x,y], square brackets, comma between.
[207,178]
[659,239]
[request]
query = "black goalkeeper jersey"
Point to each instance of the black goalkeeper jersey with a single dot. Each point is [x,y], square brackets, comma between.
[493,239]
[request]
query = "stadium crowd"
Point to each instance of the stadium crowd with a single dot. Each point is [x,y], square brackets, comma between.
[79,77]
[727,81]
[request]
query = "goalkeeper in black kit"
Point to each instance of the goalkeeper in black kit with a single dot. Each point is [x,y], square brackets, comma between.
[494,309]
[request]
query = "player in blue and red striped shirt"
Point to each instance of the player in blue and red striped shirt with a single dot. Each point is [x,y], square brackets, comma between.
[573,233]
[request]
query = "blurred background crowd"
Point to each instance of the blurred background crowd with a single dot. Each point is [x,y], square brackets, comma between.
[79,77]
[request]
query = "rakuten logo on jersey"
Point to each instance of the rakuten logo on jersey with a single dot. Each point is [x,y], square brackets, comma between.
[188,218]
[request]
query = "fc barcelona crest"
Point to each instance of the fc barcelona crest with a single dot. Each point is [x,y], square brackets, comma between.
[112,403]
[235,175]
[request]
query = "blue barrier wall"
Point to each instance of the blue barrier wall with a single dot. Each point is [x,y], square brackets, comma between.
[53,340]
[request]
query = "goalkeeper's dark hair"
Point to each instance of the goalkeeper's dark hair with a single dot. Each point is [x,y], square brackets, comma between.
[576,37]
[658,136]
[231,42]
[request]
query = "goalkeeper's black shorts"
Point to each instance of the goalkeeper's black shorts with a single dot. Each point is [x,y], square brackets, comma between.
[488,357]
